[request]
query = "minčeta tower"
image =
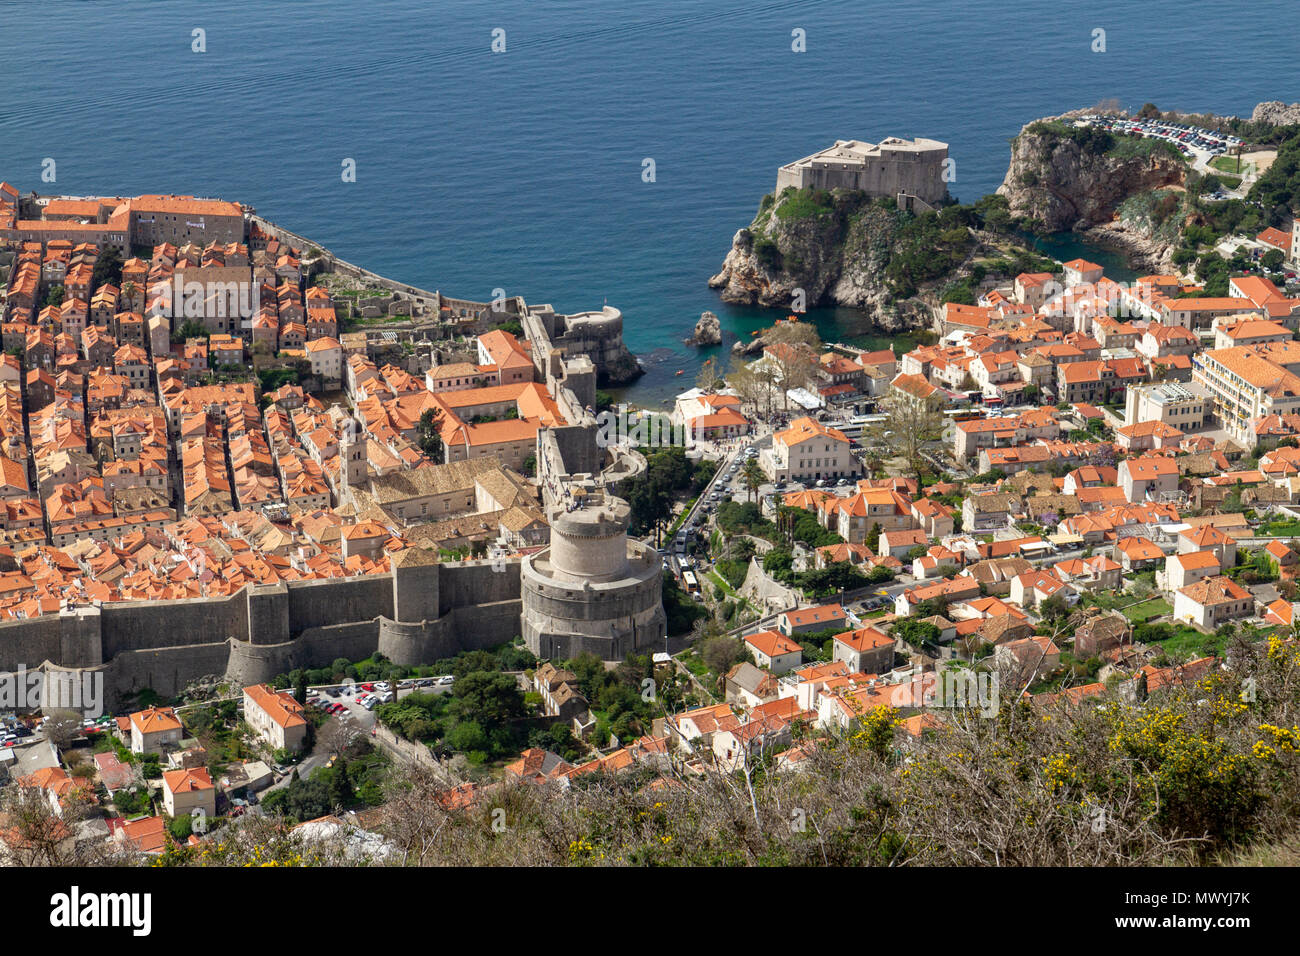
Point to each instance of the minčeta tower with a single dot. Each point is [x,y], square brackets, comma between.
[593,589]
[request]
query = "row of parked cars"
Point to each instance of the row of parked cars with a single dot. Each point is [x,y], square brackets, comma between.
[12,732]
[1180,134]
[370,694]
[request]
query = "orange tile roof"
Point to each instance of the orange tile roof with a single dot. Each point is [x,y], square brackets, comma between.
[155,720]
[188,780]
[772,643]
[282,708]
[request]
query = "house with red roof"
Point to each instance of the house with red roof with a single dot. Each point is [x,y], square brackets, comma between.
[189,790]
[1137,553]
[774,651]
[867,650]
[805,620]
[275,716]
[154,729]
[1149,477]
[1212,601]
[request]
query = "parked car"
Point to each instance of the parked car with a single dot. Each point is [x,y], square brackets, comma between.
[446,680]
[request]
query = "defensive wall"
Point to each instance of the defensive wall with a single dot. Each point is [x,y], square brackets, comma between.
[421,612]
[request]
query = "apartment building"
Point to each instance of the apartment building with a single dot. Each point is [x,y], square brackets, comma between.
[972,436]
[275,716]
[808,450]
[1199,313]
[1246,383]
[1182,406]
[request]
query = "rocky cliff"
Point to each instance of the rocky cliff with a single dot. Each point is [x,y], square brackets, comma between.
[820,249]
[622,370]
[1276,113]
[1066,178]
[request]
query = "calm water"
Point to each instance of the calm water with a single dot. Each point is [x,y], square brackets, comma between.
[523,170]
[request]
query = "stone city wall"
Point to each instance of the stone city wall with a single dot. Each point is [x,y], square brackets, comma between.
[262,631]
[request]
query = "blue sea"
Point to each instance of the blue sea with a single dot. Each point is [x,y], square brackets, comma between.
[523,169]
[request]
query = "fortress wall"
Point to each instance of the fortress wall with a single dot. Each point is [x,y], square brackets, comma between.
[578,453]
[410,644]
[484,626]
[251,663]
[268,614]
[321,603]
[29,643]
[139,625]
[572,604]
[894,171]
[164,645]
[321,645]
[415,593]
[166,669]
[342,266]
[467,584]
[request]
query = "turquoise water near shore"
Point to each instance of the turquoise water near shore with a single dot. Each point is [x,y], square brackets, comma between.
[1065,246]
[524,170]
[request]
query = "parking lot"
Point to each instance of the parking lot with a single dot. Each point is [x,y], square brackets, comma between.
[358,700]
[1188,139]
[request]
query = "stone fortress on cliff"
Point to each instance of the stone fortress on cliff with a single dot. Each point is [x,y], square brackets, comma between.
[901,169]
[591,590]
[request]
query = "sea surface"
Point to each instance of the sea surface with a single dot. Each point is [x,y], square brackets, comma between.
[525,169]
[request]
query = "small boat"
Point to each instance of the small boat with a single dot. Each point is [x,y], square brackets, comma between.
[681,371]
[755,332]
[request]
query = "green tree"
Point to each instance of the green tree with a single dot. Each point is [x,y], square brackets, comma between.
[752,475]
[466,737]
[873,537]
[340,787]
[108,268]
[300,688]
[916,632]
[722,653]
[491,700]
[428,435]
[189,329]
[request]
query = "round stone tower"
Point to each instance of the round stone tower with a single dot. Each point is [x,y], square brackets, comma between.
[589,543]
[592,589]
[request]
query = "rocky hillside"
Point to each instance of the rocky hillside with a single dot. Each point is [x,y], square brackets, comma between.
[1276,113]
[1063,178]
[836,246]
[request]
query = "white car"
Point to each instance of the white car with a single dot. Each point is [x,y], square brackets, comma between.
[448,679]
